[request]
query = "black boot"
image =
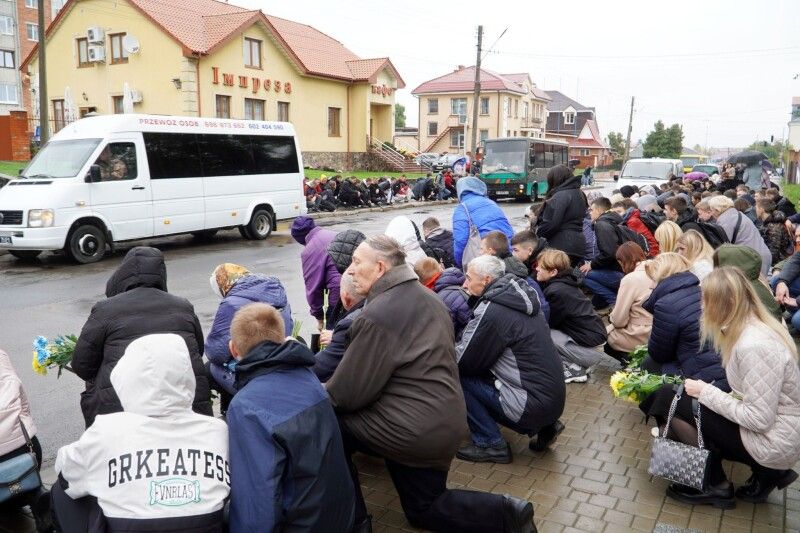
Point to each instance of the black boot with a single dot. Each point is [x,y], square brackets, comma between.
[758,487]
[364,526]
[546,436]
[496,454]
[517,515]
[721,498]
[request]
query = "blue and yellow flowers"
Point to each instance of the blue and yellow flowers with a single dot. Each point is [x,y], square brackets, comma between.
[55,354]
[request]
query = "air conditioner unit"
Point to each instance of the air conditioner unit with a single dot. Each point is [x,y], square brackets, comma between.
[136,96]
[97,54]
[95,35]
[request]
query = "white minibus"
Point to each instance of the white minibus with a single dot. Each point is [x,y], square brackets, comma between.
[107,179]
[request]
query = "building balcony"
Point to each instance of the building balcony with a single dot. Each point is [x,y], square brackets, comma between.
[531,122]
[454,121]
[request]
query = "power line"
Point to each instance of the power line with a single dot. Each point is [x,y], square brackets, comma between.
[664,56]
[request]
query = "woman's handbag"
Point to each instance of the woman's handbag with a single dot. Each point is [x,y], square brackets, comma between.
[19,474]
[678,462]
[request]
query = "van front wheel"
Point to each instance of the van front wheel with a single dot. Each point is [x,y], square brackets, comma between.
[260,225]
[86,244]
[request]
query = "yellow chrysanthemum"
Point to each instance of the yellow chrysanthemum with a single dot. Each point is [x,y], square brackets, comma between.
[616,381]
[633,398]
[38,367]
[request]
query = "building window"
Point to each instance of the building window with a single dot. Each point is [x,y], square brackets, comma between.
[32,30]
[458,106]
[334,115]
[59,119]
[525,110]
[484,134]
[8,93]
[55,7]
[252,53]
[516,108]
[6,59]
[33,4]
[6,26]
[484,105]
[83,53]
[433,106]
[223,106]
[283,111]
[433,129]
[118,52]
[116,102]
[253,109]
[584,152]
[569,117]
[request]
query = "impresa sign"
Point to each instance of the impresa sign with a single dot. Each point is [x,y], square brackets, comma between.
[252,82]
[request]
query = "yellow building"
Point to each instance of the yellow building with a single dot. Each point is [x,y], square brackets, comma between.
[510,105]
[213,59]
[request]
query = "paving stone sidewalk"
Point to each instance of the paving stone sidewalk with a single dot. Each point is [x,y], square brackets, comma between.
[593,479]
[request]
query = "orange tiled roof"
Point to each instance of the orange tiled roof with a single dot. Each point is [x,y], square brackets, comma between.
[202,26]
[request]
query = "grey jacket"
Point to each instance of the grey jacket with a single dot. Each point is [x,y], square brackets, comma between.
[748,235]
[764,374]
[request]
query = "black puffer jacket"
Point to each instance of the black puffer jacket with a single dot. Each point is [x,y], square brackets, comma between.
[138,304]
[342,247]
[571,312]
[561,219]
[688,220]
[608,240]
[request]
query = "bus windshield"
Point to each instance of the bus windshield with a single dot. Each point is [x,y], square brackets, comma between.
[505,156]
[658,170]
[61,159]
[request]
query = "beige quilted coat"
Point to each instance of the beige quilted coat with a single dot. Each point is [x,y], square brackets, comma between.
[765,375]
[13,406]
[630,325]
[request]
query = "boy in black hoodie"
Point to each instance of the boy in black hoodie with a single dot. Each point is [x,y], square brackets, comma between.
[575,328]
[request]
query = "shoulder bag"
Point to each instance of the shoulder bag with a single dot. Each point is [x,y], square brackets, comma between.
[19,474]
[678,462]
[473,247]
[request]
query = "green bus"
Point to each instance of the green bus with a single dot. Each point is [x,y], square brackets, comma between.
[516,167]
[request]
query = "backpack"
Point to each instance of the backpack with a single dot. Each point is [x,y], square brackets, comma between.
[651,220]
[626,234]
[713,233]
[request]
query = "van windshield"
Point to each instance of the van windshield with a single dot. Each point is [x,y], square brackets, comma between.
[61,159]
[658,170]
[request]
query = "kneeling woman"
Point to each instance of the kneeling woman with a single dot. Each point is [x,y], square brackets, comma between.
[758,424]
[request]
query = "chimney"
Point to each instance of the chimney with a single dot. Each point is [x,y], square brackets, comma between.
[460,67]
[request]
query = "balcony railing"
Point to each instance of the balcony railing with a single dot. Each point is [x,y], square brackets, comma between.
[531,122]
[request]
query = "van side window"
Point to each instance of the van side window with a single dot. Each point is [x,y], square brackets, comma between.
[225,155]
[274,155]
[117,162]
[172,155]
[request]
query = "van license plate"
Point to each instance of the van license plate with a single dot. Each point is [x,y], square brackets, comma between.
[5,240]
[502,192]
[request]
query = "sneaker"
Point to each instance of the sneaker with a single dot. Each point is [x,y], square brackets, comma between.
[495,454]
[654,432]
[575,374]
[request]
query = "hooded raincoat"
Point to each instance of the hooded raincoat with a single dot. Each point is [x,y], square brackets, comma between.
[485,214]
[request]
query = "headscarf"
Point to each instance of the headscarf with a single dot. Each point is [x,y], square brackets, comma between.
[225,276]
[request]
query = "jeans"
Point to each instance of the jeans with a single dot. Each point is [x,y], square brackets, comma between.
[484,411]
[605,285]
[425,498]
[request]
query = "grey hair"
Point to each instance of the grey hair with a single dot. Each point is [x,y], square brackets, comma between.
[346,286]
[488,265]
[720,203]
[387,249]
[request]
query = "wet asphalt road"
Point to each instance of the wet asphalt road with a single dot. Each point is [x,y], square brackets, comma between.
[54,296]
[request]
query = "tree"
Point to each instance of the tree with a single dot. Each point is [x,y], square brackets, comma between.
[616,142]
[399,116]
[664,142]
[773,150]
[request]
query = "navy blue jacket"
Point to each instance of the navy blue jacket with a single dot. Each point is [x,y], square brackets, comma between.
[328,359]
[288,470]
[675,339]
[253,288]
[448,289]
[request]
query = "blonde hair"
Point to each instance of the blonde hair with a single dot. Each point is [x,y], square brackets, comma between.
[720,203]
[552,259]
[729,302]
[426,268]
[697,247]
[256,323]
[667,234]
[666,265]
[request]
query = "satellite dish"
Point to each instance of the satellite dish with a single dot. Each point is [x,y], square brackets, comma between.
[131,44]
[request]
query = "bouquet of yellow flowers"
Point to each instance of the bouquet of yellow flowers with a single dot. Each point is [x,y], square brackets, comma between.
[53,354]
[635,384]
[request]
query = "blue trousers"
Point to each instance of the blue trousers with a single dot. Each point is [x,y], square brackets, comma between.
[484,411]
[605,286]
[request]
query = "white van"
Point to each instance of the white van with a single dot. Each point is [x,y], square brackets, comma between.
[114,178]
[651,171]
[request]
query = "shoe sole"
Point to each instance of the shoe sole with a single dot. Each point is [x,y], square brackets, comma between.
[496,460]
[719,503]
[577,379]
[791,478]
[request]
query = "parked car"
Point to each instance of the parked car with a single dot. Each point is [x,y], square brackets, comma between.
[446,161]
[652,171]
[707,168]
[426,159]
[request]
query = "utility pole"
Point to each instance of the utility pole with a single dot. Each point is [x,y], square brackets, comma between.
[44,119]
[628,139]
[476,96]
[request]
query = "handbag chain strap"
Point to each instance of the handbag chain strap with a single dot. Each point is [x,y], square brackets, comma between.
[671,414]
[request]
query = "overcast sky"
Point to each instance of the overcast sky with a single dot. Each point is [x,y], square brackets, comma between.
[722,69]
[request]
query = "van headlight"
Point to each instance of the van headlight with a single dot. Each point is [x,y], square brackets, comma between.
[40,218]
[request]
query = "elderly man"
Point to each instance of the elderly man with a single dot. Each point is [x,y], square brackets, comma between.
[397,396]
[336,340]
[510,371]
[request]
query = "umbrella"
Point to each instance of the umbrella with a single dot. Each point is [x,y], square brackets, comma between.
[695,176]
[127,99]
[748,157]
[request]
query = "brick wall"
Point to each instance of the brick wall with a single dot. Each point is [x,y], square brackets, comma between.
[24,16]
[14,137]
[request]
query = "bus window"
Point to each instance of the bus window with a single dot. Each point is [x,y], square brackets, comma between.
[539,151]
[564,155]
[549,156]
